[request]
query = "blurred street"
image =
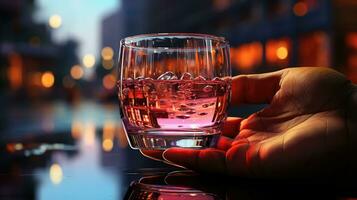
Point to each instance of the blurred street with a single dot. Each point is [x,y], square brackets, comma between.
[61,150]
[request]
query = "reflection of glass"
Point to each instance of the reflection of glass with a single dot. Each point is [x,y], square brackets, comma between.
[141,190]
[173,89]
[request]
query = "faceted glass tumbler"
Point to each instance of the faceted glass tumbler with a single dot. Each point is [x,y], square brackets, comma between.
[173,89]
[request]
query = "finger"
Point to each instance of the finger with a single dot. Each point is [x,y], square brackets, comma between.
[153,154]
[236,160]
[255,88]
[231,126]
[206,160]
[224,143]
[254,121]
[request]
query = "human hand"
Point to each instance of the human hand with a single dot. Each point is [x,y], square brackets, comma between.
[308,128]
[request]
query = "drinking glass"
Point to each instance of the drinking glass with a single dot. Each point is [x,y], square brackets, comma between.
[174,89]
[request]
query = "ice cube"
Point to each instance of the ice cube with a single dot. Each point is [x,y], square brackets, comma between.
[191,112]
[192,104]
[208,88]
[203,113]
[217,79]
[205,105]
[167,76]
[186,76]
[139,82]
[183,108]
[200,78]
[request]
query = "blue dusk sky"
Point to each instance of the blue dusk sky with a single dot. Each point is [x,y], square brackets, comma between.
[81,20]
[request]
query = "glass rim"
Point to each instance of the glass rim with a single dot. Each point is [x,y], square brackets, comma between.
[126,42]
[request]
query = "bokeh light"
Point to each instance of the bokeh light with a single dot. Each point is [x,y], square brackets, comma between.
[109,81]
[56,174]
[76,129]
[282,53]
[47,79]
[107,145]
[55,21]
[108,135]
[89,134]
[77,72]
[108,64]
[88,60]
[107,53]
[300,9]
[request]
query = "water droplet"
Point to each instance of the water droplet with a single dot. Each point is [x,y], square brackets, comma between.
[183,116]
[200,78]
[191,112]
[186,76]
[183,108]
[206,105]
[167,76]
[192,104]
[202,114]
[207,88]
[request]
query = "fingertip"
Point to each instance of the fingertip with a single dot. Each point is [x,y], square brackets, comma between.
[173,156]
[153,154]
[231,126]
[236,159]
[208,160]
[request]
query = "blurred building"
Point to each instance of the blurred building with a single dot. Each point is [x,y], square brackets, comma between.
[31,64]
[265,35]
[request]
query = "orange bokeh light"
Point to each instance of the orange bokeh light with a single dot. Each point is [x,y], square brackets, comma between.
[15,71]
[300,9]
[108,64]
[277,51]
[246,56]
[107,53]
[282,53]
[47,79]
[109,81]
[77,72]
[107,145]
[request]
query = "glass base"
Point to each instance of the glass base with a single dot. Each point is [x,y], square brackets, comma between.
[165,140]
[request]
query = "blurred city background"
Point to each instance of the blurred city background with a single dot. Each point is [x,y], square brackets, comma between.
[59,121]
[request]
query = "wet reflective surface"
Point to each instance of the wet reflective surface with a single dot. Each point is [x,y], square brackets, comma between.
[63,151]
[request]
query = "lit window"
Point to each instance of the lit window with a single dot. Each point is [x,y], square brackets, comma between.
[247,56]
[314,49]
[278,52]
